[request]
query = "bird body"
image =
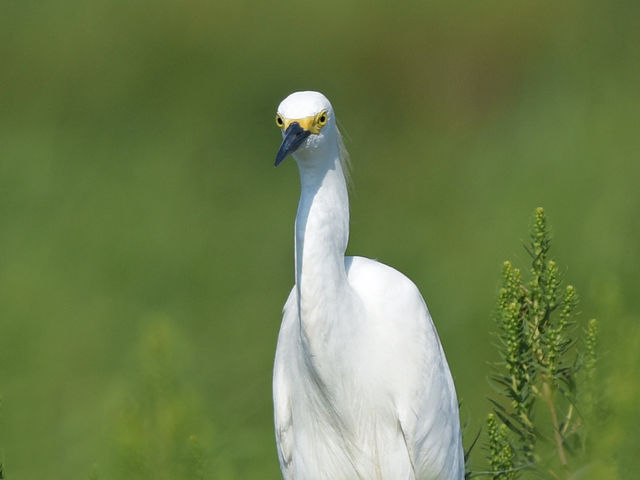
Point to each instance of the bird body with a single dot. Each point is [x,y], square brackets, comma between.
[362,389]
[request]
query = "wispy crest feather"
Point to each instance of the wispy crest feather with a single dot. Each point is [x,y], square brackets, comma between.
[345,160]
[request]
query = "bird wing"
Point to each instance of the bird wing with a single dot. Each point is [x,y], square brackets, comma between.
[415,369]
[282,388]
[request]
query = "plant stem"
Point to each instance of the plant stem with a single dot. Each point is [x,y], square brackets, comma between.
[568,420]
[547,396]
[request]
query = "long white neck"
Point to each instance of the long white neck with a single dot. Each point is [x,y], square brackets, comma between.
[322,232]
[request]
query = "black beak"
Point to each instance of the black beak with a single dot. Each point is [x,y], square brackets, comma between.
[294,135]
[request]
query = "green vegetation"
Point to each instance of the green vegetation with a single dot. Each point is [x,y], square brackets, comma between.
[159,428]
[545,378]
[137,183]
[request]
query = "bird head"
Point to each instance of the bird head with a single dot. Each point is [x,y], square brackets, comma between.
[308,125]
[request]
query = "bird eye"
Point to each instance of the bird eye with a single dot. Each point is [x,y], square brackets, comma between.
[279,121]
[322,118]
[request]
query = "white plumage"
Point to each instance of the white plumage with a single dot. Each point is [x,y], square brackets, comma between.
[361,386]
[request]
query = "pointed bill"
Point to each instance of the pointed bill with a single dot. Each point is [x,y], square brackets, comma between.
[293,138]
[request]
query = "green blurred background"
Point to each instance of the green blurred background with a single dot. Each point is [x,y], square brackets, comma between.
[146,241]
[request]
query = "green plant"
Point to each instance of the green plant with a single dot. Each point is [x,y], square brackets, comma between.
[161,422]
[545,376]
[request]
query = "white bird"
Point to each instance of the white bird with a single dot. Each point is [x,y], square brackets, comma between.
[361,386]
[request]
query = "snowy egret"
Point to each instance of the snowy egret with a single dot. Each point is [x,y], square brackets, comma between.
[361,387]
